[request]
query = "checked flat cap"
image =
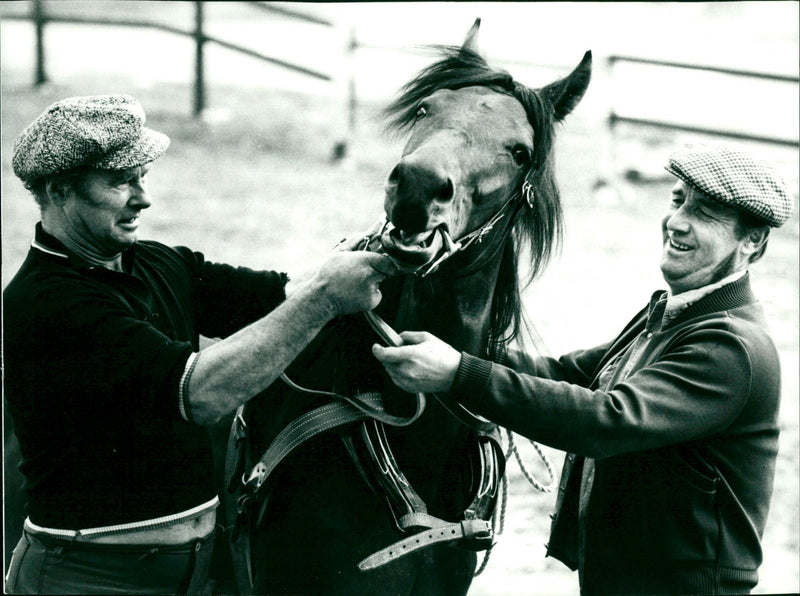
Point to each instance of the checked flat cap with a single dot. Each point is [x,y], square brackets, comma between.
[735,179]
[99,131]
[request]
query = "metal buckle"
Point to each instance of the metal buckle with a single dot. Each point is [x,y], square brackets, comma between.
[257,476]
[240,426]
[527,193]
[478,535]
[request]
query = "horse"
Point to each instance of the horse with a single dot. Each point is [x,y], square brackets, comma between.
[472,197]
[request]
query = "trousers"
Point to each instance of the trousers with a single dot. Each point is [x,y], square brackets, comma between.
[43,564]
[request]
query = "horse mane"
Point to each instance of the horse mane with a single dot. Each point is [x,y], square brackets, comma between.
[538,229]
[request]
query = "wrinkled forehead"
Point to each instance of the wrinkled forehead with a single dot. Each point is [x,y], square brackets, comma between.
[482,107]
[695,195]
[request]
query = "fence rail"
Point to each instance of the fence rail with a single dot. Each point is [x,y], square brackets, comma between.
[41,18]
[753,74]
[613,118]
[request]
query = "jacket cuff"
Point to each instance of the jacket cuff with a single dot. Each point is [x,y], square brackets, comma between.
[472,378]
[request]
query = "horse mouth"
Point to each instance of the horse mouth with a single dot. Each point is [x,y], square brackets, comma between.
[412,250]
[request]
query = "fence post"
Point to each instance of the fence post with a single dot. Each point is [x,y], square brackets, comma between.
[39,20]
[346,82]
[352,101]
[199,78]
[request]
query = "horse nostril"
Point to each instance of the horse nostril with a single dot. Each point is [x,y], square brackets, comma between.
[447,191]
[395,174]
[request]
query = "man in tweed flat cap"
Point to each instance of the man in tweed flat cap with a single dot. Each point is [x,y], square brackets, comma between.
[671,428]
[105,381]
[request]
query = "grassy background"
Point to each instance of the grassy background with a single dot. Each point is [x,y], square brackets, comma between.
[258,188]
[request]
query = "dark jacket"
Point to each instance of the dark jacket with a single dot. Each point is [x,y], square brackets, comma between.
[93,359]
[683,445]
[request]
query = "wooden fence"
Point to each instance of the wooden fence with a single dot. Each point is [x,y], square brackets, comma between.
[614,118]
[201,38]
[40,19]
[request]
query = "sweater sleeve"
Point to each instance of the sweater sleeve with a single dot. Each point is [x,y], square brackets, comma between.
[692,389]
[229,298]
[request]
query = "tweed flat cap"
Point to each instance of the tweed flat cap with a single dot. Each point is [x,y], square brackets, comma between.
[99,131]
[736,179]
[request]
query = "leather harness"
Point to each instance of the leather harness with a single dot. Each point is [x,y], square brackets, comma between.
[409,510]
[474,532]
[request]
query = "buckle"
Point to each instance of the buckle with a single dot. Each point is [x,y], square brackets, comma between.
[257,476]
[240,427]
[478,535]
[528,193]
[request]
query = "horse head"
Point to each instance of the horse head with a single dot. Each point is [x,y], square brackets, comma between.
[476,137]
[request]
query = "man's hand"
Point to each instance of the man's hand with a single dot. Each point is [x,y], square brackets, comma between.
[353,242]
[349,280]
[423,364]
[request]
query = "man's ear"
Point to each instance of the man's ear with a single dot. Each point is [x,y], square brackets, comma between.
[754,240]
[58,190]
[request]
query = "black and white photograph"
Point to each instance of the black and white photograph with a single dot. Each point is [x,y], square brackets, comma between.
[400,298]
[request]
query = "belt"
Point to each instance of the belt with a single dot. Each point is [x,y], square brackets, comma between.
[178,528]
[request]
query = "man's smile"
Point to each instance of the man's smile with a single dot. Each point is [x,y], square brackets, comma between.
[129,222]
[678,246]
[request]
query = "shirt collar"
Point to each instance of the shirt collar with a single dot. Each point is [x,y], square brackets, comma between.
[50,245]
[44,242]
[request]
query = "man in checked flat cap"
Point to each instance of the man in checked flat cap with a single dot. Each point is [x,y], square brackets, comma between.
[105,381]
[671,428]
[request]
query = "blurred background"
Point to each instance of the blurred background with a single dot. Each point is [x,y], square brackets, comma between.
[278,152]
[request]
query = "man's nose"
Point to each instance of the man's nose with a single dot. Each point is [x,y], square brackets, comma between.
[677,221]
[140,197]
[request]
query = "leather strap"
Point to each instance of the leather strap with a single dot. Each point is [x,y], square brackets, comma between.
[235,518]
[371,404]
[459,412]
[472,529]
[300,430]
[474,533]
[464,416]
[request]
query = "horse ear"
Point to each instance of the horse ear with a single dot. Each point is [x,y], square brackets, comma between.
[471,41]
[566,93]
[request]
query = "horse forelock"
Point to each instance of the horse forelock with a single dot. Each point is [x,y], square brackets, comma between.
[459,67]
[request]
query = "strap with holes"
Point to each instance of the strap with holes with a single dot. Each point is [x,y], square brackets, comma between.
[472,529]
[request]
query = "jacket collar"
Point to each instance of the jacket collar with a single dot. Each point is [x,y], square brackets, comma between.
[733,295]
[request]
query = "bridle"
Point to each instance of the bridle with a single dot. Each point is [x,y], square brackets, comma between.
[453,247]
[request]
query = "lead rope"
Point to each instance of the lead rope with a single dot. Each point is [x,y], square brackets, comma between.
[512,448]
[499,516]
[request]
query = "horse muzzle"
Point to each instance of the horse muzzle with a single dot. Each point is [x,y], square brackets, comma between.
[412,250]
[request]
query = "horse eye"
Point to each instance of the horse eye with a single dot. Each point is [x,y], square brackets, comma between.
[521,155]
[421,112]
